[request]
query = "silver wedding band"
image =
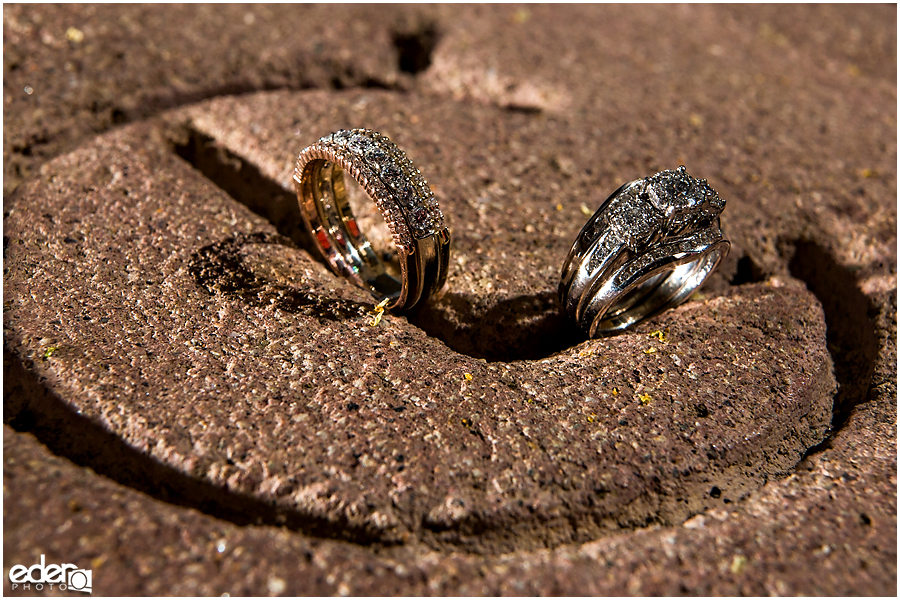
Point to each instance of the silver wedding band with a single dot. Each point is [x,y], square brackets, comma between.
[647,248]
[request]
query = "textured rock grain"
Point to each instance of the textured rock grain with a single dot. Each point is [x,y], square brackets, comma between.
[140,546]
[182,344]
[72,71]
[211,374]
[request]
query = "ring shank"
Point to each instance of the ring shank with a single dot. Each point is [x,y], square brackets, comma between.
[657,288]
[326,209]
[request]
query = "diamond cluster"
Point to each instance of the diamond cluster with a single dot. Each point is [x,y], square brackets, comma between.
[683,200]
[390,178]
[670,203]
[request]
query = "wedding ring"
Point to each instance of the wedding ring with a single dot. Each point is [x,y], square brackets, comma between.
[411,262]
[646,249]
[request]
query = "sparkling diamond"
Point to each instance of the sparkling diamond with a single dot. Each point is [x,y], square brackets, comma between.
[341,137]
[360,144]
[376,156]
[392,174]
[420,219]
[405,194]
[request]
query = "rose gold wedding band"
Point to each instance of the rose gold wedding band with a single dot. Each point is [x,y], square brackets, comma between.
[407,204]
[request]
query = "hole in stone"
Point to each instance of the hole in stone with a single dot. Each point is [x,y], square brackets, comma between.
[118,116]
[414,49]
[528,327]
[747,272]
[850,333]
[521,108]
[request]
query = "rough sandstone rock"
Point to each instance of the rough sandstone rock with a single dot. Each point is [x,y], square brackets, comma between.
[205,341]
[181,327]
[73,71]
[139,545]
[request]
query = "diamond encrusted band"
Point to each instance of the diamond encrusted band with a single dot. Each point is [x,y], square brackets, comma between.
[401,194]
[647,248]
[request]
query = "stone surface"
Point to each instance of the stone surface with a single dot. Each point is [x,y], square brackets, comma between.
[70,71]
[181,327]
[229,369]
[139,545]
